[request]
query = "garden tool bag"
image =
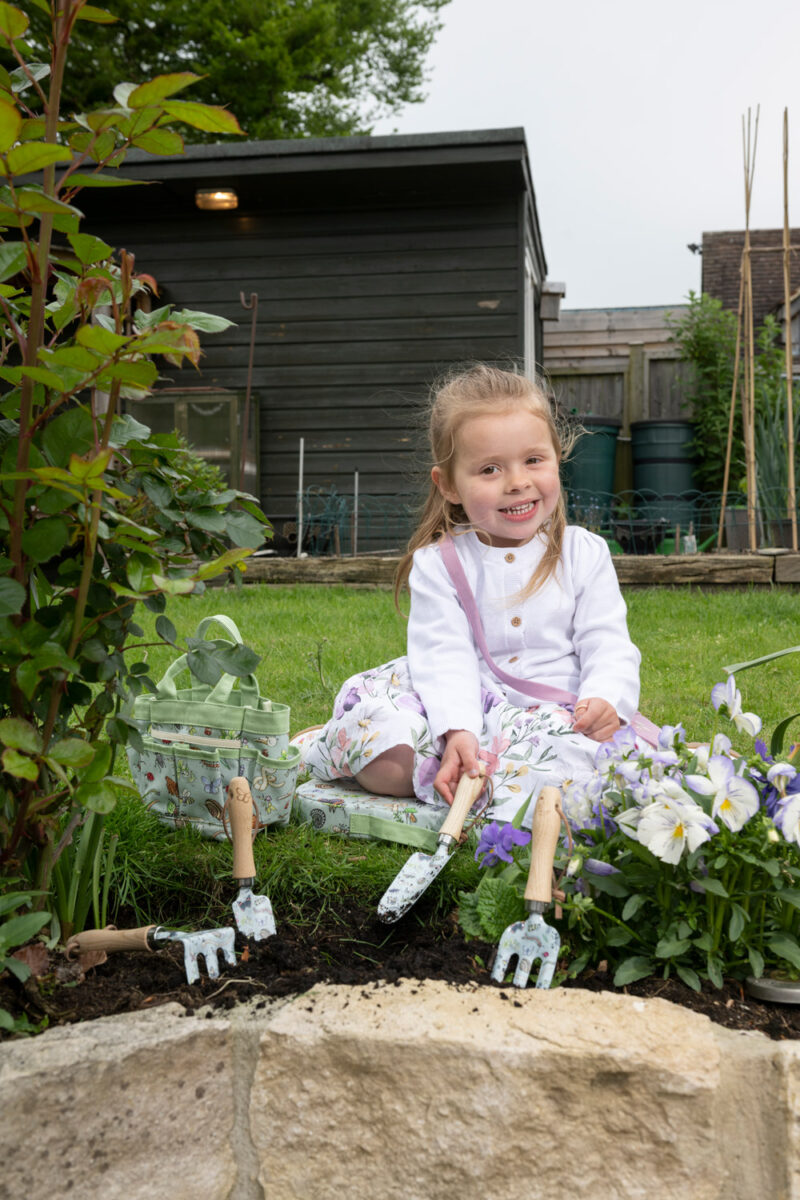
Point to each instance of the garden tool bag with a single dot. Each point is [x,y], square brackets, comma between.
[197,739]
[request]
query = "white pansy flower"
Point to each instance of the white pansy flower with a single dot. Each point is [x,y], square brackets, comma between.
[779,774]
[735,800]
[787,817]
[668,827]
[728,694]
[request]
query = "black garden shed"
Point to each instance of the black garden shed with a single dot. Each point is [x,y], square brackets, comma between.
[377,263]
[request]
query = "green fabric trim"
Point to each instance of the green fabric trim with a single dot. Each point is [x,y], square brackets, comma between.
[394,831]
[200,713]
[211,753]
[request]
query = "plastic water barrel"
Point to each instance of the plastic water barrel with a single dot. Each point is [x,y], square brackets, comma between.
[662,461]
[589,470]
[663,467]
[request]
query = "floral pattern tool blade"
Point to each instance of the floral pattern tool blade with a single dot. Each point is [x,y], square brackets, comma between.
[205,944]
[421,869]
[253,913]
[533,938]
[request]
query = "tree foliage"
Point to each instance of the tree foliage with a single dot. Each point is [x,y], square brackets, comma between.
[291,68]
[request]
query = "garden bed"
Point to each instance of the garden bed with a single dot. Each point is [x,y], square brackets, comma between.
[763,568]
[346,944]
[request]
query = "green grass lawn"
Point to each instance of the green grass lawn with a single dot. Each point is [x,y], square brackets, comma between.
[313,637]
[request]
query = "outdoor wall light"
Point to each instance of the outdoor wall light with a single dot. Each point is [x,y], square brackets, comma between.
[216,198]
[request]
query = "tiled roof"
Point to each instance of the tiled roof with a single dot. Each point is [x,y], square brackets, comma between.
[722,256]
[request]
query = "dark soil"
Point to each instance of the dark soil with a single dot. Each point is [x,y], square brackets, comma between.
[349,945]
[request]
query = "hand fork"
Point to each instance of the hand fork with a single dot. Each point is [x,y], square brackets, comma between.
[206,944]
[533,938]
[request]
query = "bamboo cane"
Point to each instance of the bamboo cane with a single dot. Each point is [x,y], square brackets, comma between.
[748,397]
[791,499]
[732,413]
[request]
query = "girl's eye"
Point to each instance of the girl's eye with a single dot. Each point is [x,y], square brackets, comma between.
[488,470]
[534,458]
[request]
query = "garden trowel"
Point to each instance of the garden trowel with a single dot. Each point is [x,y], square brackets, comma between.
[253,913]
[421,869]
[206,944]
[534,939]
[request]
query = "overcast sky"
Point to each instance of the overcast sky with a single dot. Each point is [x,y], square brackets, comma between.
[633,117]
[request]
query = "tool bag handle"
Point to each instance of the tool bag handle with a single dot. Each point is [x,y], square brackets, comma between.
[221,691]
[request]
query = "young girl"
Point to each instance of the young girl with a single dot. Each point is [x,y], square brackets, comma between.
[548,600]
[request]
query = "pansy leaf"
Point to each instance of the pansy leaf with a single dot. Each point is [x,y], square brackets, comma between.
[715,886]
[610,885]
[636,967]
[632,905]
[714,970]
[498,906]
[671,947]
[786,947]
[778,735]
[689,977]
[756,962]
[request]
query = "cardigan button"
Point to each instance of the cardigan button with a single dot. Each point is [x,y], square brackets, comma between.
[510,557]
[515,621]
[514,658]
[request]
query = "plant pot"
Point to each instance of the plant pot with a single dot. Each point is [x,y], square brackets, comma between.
[780,991]
[737,532]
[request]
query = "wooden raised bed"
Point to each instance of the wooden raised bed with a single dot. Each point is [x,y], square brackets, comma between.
[646,570]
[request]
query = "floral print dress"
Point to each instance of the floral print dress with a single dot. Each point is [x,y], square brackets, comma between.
[523,749]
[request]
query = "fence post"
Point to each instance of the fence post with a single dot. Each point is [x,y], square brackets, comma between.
[635,407]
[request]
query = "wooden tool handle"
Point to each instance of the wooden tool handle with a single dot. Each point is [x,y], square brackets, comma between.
[467,793]
[240,815]
[544,837]
[110,938]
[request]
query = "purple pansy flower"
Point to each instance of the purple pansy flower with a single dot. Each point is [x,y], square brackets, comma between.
[597,867]
[497,842]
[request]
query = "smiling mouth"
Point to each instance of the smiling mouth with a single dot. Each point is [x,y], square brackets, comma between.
[520,510]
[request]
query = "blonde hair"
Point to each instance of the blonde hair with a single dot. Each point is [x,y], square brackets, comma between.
[475,392]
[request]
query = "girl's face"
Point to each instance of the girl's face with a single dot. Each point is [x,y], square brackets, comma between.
[504,475]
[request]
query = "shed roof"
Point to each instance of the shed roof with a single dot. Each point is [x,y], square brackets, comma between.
[496,158]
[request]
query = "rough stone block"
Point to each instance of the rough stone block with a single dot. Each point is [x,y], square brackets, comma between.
[126,1108]
[430,1092]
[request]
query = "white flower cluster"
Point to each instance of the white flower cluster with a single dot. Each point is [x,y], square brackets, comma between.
[670,798]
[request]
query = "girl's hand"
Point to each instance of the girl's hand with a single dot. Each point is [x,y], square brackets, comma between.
[460,757]
[596,719]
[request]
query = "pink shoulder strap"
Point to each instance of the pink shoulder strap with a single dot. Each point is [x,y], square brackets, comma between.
[645,728]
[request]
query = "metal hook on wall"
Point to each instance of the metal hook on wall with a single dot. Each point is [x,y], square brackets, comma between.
[251,305]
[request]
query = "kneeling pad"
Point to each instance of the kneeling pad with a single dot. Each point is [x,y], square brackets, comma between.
[341,806]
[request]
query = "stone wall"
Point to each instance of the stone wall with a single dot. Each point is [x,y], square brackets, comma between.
[422,1091]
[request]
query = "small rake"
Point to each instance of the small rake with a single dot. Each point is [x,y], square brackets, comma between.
[533,939]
